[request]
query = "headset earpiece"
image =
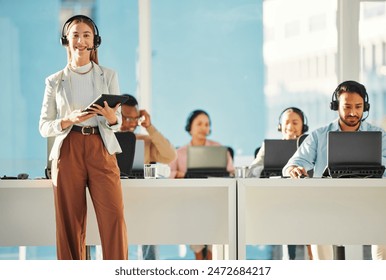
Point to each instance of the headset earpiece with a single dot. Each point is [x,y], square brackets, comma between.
[305,128]
[63,40]
[97,40]
[187,127]
[334,105]
[366,107]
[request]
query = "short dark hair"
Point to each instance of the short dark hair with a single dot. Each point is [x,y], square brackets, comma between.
[350,87]
[131,101]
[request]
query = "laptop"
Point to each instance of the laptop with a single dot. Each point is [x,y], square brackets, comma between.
[354,154]
[277,154]
[127,141]
[139,160]
[207,161]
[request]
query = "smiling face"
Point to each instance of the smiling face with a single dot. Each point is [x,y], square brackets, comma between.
[80,37]
[292,125]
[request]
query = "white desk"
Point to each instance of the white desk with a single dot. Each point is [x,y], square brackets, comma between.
[161,211]
[311,211]
[203,211]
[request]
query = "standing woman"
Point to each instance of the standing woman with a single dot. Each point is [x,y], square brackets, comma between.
[83,154]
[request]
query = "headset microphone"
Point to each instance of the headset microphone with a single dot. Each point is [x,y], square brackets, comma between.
[364,118]
[90,49]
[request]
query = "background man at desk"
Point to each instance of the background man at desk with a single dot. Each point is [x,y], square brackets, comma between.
[157,147]
[351,100]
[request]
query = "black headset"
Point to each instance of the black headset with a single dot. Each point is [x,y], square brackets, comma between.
[300,113]
[350,86]
[192,116]
[97,38]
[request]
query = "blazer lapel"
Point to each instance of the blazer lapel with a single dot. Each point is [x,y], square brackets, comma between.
[66,93]
[100,85]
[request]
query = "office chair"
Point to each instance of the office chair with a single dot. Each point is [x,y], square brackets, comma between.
[257,151]
[230,150]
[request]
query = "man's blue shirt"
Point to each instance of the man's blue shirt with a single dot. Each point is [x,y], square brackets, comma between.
[312,153]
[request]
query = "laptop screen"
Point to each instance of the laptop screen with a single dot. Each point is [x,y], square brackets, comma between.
[139,156]
[207,157]
[278,152]
[359,148]
[127,142]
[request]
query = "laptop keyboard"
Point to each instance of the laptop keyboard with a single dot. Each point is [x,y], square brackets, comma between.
[271,173]
[137,174]
[357,172]
[207,175]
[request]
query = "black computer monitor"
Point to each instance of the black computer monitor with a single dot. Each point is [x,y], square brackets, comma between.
[277,154]
[127,141]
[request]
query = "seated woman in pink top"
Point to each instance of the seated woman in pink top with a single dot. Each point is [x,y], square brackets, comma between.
[198,126]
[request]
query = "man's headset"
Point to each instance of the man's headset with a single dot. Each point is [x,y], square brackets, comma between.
[350,86]
[82,18]
[300,113]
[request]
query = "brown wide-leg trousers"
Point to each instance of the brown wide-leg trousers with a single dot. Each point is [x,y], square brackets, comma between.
[85,162]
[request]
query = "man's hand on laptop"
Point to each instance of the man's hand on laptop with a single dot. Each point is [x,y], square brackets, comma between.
[297,172]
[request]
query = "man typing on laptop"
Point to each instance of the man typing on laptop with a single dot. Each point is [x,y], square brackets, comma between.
[350,99]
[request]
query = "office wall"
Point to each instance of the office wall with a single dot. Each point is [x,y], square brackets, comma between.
[206,54]
[28,52]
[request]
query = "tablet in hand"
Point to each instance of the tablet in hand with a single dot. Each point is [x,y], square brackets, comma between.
[112,101]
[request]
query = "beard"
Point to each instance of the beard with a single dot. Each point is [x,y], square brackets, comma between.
[350,121]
